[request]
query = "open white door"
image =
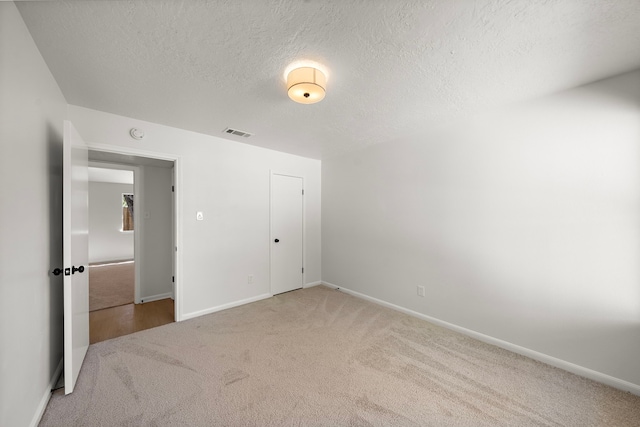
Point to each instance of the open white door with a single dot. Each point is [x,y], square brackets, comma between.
[75,226]
[286,233]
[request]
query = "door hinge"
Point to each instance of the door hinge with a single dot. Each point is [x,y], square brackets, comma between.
[303,192]
[302,270]
[173,189]
[173,279]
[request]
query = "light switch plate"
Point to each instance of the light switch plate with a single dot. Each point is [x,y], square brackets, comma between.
[199,216]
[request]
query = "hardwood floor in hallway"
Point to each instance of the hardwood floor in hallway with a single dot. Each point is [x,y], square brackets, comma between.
[126,319]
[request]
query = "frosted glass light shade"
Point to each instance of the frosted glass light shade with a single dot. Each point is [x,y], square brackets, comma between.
[306,85]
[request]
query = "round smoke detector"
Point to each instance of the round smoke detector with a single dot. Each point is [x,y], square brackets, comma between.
[136,133]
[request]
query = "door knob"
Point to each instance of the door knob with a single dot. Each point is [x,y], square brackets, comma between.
[78,269]
[57,271]
[277,240]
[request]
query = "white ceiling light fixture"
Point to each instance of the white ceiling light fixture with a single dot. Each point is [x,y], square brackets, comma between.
[306,85]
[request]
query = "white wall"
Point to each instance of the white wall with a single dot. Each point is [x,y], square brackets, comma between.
[32,110]
[106,240]
[522,224]
[157,241]
[229,182]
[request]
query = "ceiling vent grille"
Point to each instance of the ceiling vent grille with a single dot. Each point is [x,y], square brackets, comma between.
[238,132]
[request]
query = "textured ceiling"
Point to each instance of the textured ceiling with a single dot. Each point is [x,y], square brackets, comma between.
[396,68]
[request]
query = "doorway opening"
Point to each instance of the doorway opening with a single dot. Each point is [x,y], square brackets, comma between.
[131,244]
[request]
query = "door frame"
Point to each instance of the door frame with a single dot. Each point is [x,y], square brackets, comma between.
[177,206]
[304,228]
[137,232]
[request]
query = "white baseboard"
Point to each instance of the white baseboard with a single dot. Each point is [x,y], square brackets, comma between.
[225,306]
[541,357]
[111,261]
[312,284]
[156,297]
[47,395]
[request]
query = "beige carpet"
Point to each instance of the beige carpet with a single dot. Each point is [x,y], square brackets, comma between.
[321,357]
[111,285]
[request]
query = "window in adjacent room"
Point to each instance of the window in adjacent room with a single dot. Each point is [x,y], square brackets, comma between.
[127,212]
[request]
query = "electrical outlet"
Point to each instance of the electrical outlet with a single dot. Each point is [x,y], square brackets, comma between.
[250,279]
[421,291]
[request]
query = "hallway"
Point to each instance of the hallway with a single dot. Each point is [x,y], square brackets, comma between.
[126,319]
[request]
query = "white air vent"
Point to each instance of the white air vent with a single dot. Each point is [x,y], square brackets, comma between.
[238,132]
